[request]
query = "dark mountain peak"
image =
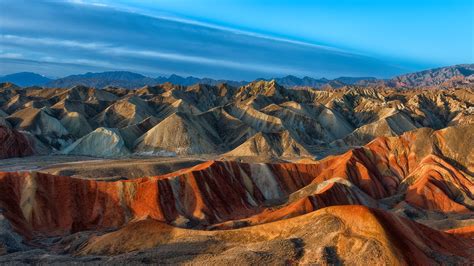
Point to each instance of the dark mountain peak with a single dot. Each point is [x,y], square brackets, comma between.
[291,77]
[310,78]
[124,79]
[25,79]
[24,73]
[174,76]
[178,80]
[122,75]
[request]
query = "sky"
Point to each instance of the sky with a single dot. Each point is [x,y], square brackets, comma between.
[235,39]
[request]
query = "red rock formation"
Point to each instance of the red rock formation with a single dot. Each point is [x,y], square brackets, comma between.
[437,186]
[208,193]
[334,192]
[218,191]
[215,192]
[13,144]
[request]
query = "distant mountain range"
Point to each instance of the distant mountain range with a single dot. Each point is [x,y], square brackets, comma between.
[99,80]
[433,77]
[25,79]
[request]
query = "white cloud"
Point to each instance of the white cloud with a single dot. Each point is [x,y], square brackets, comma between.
[82,2]
[212,26]
[71,29]
[110,49]
[11,55]
[52,42]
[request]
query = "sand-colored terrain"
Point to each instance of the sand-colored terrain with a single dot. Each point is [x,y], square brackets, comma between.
[258,174]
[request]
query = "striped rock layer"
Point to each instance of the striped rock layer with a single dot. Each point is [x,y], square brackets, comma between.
[216,192]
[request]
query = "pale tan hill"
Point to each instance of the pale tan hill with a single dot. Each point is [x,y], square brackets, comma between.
[270,89]
[145,90]
[310,124]
[66,106]
[14,102]
[87,94]
[125,112]
[329,119]
[270,145]
[37,121]
[256,119]
[133,132]
[205,97]
[179,134]
[102,142]
[76,124]
[231,130]
[42,124]
[393,123]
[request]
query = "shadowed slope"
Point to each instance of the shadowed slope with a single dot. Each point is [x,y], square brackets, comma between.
[13,144]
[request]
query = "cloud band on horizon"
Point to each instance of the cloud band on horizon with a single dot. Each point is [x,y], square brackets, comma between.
[110,39]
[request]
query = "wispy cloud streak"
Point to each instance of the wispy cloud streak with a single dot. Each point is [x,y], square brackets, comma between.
[79,30]
[110,49]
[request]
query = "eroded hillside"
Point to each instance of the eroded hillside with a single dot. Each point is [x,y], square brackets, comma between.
[261,119]
[262,174]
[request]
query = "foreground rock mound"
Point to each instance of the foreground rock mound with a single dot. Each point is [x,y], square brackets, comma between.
[345,234]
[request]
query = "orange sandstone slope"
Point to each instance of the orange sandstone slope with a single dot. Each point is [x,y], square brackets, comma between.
[338,234]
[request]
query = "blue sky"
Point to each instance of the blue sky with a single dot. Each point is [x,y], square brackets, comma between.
[235,39]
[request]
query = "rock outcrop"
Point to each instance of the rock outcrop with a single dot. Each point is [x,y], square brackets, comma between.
[103,142]
[179,134]
[13,144]
[270,145]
